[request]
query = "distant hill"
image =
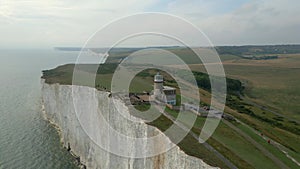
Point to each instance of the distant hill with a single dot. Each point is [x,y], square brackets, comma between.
[256,50]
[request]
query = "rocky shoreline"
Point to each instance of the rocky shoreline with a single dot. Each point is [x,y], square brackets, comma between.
[59,131]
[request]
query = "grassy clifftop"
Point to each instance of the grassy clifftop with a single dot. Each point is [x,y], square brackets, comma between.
[269,85]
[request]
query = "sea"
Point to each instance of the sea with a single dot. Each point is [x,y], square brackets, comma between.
[27,140]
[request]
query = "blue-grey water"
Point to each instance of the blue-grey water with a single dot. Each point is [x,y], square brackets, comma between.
[26,139]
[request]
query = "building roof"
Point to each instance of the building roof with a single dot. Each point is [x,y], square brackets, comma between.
[169,88]
[145,98]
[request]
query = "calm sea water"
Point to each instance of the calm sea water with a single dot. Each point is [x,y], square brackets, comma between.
[26,139]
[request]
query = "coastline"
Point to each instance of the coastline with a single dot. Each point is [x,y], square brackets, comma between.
[80,163]
[62,116]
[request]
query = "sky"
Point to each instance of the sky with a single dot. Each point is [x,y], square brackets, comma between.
[51,23]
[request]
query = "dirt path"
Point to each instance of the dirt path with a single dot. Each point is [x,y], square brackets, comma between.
[257,145]
[276,144]
[206,145]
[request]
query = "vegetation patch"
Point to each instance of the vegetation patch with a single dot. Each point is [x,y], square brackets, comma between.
[236,103]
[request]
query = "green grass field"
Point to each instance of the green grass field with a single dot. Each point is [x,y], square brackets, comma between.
[237,148]
[274,84]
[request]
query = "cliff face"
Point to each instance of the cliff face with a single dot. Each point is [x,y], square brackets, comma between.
[59,109]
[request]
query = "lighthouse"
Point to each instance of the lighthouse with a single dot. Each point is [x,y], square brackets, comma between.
[163,93]
[158,84]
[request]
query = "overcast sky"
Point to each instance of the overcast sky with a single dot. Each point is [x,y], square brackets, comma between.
[49,23]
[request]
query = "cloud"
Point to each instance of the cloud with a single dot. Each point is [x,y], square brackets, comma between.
[48,23]
[202,9]
[36,23]
[255,22]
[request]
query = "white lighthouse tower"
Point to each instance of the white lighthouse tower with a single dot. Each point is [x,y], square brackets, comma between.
[163,93]
[158,85]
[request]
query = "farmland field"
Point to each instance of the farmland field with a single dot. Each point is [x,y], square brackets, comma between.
[272,83]
[267,105]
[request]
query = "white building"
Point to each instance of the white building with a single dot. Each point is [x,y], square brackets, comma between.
[164,93]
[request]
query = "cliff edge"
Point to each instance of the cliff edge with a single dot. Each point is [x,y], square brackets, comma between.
[59,109]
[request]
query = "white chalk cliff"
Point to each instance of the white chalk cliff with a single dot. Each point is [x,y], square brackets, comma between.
[59,109]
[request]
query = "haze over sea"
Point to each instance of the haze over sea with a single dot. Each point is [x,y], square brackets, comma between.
[26,139]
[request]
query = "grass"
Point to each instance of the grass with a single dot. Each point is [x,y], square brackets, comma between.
[275,87]
[270,147]
[142,107]
[262,115]
[189,144]
[241,147]
[235,144]
[284,137]
[272,83]
[230,144]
